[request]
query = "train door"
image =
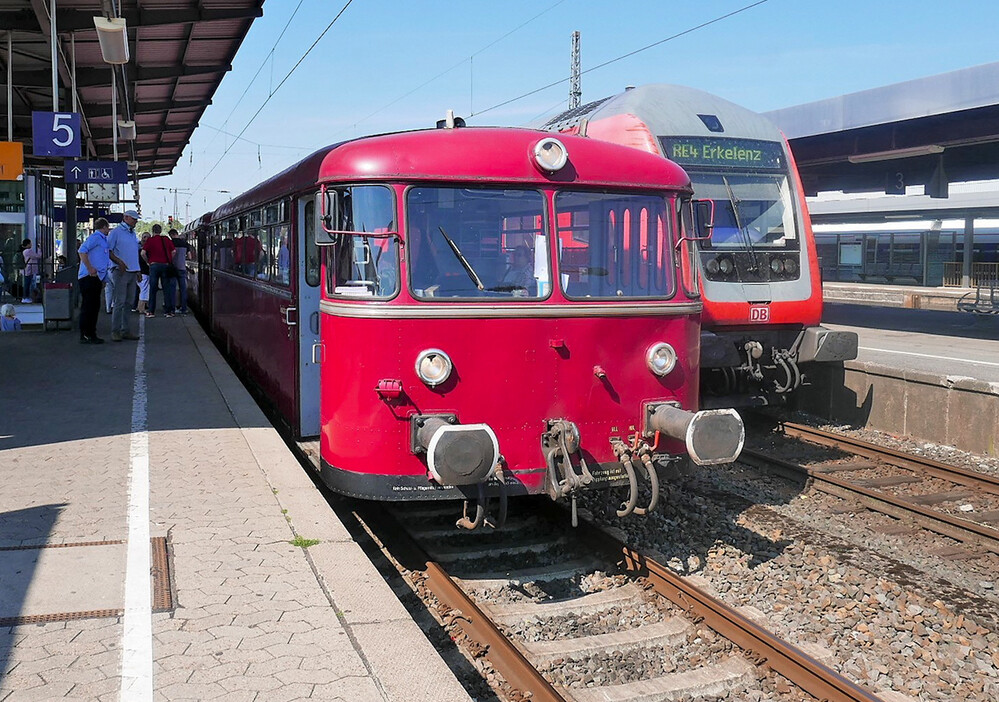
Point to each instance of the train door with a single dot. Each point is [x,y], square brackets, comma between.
[308,315]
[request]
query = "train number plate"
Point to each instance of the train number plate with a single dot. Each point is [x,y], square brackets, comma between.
[759,313]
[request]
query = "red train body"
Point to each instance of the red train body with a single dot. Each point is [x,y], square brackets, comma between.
[464,312]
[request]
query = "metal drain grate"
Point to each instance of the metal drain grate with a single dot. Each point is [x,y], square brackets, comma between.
[163,600]
[163,596]
[80,543]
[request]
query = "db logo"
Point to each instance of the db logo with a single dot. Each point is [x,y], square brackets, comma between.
[759,314]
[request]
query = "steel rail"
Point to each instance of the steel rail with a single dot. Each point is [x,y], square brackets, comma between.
[501,652]
[900,459]
[931,520]
[794,664]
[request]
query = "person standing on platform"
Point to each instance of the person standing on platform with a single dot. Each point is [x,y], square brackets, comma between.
[31,259]
[180,257]
[158,252]
[123,248]
[94,263]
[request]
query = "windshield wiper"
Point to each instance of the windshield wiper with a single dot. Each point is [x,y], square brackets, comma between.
[461,259]
[738,223]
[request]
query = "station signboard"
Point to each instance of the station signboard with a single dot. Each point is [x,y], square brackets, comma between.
[56,133]
[96,171]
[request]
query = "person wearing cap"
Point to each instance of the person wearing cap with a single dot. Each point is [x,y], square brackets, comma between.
[94,263]
[123,249]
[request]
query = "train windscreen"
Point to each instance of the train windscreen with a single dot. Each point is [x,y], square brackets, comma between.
[477,243]
[614,245]
[751,211]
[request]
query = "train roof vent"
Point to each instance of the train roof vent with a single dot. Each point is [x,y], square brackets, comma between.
[712,123]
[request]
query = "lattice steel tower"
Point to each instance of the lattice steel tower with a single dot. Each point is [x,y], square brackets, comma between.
[575,92]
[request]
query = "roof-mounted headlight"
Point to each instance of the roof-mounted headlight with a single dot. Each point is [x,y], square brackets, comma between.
[433,366]
[661,358]
[550,154]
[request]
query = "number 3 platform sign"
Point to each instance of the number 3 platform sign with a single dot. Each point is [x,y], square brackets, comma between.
[55,133]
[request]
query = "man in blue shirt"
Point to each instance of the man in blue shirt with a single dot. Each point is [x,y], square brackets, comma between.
[123,249]
[94,263]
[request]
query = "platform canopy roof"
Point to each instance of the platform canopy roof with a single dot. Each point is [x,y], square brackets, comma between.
[179,51]
[930,131]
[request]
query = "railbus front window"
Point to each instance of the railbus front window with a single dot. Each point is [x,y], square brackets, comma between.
[365,263]
[615,245]
[477,243]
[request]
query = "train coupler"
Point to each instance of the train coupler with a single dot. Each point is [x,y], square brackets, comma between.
[559,443]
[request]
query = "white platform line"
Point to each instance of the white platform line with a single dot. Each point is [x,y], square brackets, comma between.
[137,636]
[929,355]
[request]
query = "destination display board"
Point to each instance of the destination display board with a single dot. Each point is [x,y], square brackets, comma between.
[729,153]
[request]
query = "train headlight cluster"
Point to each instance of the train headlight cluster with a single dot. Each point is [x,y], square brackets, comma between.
[433,366]
[550,154]
[784,265]
[661,358]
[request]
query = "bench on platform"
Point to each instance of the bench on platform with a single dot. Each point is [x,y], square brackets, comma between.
[899,271]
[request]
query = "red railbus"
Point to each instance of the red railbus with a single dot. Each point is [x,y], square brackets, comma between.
[474,312]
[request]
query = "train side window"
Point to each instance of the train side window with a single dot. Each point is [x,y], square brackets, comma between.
[281,255]
[261,269]
[688,260]
[311,248]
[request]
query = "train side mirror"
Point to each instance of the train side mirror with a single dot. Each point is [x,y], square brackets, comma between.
[327,204]
[704,219]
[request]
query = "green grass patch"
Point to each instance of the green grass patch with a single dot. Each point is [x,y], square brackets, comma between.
[303,543]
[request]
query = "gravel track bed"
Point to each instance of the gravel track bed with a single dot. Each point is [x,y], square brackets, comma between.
[611,620]
[705,647]
[938,452]
[880,632]
[553,590]
[507,563]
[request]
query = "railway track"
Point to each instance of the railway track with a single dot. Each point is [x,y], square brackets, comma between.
[578,615]
[918,478]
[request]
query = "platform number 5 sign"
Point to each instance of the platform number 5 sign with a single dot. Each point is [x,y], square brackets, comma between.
[55,133]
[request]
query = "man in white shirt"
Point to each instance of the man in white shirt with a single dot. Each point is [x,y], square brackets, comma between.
[123,249]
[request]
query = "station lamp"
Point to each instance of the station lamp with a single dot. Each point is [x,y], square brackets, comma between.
[126,129]
[113,36]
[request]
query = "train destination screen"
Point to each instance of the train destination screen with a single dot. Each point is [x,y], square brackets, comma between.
[731,153]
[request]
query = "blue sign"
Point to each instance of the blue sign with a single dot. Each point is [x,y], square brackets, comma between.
[55,133]
[96,171]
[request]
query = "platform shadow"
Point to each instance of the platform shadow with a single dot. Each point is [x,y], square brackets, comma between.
[936,322]
[32,525]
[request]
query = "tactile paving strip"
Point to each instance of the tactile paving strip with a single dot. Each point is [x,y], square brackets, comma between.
[163,599]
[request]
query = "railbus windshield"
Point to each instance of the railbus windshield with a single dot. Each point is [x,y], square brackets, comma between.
[615,245]
[477,243]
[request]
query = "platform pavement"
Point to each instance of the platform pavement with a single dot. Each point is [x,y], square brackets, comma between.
[256,618]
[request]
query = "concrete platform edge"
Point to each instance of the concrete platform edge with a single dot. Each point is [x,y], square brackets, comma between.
[945,409]
[395,651]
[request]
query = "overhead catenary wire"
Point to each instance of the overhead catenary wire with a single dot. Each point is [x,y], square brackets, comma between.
[448,70]
[274,92]
[702,25]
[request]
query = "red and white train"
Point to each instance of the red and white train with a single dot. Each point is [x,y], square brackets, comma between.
[469,312]
[759,272]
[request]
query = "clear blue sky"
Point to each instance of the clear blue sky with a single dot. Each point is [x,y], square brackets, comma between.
[372,71]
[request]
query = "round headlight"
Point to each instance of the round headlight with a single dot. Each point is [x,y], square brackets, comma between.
[725,265]
[550,154]
[661,358]
[776,265]
[712,266]
[791,266]
[433,366]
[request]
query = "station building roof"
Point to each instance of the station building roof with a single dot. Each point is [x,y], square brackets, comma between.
[179,51]
[927,131]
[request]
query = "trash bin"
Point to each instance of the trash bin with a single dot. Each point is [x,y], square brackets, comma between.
[57,304]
